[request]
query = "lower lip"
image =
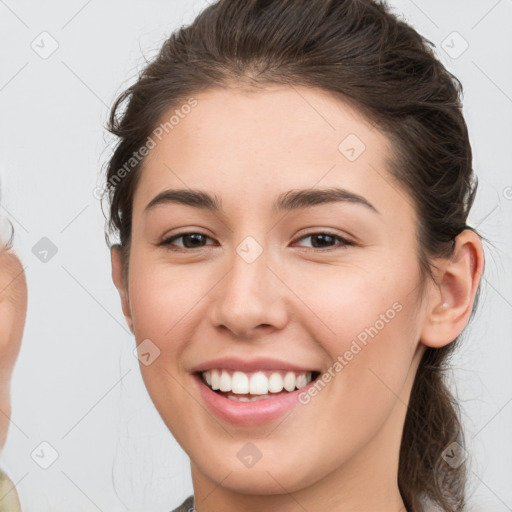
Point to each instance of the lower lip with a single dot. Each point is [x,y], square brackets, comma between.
[248,413]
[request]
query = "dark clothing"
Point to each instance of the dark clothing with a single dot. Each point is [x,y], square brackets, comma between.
[186,506]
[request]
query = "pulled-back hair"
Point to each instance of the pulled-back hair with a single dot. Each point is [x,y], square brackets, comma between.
[363,54]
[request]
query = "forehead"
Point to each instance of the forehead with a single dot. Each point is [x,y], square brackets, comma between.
[252,141]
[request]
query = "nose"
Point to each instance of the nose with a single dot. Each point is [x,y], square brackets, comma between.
[250,301]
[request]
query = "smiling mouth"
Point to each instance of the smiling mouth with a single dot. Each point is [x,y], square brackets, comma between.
[258,385]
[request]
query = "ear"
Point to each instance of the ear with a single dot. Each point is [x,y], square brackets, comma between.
[117,277]
[450,303]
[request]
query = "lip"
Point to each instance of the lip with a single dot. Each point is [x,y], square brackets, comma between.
[248,413]
[244,365]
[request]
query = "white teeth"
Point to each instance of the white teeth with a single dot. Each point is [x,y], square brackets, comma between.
[240,383]
[257,383]
[239,398]
[301,381]
[215,377]
[225,381]
[289,381]
[275,383]
[254,398]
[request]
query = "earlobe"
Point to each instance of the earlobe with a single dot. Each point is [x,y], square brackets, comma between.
[450,304]
[117,278]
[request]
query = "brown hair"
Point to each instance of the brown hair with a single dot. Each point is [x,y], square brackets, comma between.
[366,56]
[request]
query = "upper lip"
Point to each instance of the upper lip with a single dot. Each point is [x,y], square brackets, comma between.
[248,365]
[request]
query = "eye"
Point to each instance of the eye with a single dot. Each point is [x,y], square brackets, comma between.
[192,240]
[323,241]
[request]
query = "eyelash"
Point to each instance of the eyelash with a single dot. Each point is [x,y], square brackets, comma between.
[344,242]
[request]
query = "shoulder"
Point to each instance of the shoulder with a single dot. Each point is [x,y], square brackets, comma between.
[186,506]
[9,501]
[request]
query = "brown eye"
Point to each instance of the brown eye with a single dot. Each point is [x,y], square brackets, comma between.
[326,240]
[189,241]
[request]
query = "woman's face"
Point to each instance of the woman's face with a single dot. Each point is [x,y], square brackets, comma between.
[263,281]
[13,308]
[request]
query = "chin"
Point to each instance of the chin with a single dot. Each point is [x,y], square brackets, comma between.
[263,478]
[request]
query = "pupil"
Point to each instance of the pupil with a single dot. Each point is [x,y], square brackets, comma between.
[322,237]
[194,237]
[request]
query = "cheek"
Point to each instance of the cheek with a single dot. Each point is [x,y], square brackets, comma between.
[158,295]
[11,331]
[167,303]
[343,301]
[369,329]
[162,309]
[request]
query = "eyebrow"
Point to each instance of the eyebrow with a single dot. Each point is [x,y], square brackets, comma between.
[288,201]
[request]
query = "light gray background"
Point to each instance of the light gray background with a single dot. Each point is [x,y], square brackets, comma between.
[77,384]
